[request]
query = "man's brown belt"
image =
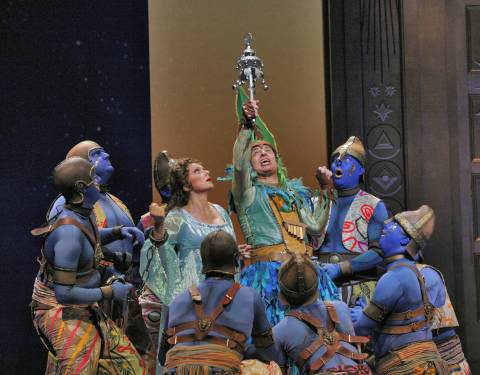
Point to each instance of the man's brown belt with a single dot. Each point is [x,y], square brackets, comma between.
[272,253]
[335,257]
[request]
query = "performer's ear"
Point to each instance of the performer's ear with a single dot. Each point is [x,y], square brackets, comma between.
[405,241]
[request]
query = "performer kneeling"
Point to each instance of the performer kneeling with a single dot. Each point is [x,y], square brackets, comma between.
[316,335]
[209,324]
[404,302]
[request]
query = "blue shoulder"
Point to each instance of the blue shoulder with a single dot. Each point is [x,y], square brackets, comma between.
[65,232]
[56,207]
[388,290]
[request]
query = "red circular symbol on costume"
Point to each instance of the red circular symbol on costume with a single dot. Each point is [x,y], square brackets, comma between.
[348,226]
[350,244]
[367,211]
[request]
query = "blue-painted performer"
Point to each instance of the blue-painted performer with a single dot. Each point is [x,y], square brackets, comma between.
[402,308]
[123,253]
[275,213]
[79,337]
[318,336]
[208,324]
[443,325]
[355,220]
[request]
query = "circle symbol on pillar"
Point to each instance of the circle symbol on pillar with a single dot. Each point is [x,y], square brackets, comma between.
[383,142]
[385,178]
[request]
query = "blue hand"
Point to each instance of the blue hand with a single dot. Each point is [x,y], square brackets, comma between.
[333,270]
[134,234]
[356,313]
[121,290]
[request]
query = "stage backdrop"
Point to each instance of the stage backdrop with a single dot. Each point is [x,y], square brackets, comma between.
[70,71]
[194,46]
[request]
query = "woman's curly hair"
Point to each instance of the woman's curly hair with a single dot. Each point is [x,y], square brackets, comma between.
[179,180]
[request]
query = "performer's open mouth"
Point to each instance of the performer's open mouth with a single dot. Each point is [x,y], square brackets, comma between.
[338,173]
[264,162]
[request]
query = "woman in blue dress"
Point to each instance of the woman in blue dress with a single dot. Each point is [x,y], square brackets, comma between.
[170,259]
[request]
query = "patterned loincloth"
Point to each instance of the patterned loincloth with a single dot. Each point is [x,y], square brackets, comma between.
[451,351]
[419,358]
[203,360]
[80,339]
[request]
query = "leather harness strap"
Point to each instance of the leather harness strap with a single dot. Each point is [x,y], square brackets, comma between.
[206,324]
[92,238]
[425,310]
[328,337]
[61,276]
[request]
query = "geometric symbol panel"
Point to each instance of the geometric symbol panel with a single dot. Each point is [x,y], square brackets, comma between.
[383,142]
[384,178]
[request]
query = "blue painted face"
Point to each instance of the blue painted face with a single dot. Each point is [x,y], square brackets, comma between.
[92,194]
[103,168]
[346,172]
[393,239]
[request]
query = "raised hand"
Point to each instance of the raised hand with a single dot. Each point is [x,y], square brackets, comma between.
[245,250]
[250,109]
[324,176]
[356,311]
[157,213]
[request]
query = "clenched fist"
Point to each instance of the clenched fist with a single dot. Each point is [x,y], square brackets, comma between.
[157,213]
[245,250]
[324,176]
[250,109]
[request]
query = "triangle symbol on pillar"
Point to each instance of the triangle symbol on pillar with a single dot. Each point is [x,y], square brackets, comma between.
[383,142]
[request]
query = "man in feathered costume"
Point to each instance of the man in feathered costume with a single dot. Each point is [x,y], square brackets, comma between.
[275,213]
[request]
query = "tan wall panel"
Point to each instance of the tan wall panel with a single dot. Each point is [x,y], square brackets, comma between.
[194,46]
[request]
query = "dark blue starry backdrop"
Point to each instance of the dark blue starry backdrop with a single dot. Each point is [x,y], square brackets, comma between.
[70,70]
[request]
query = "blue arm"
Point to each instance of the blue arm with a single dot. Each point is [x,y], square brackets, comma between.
[435,287]
[368,260]
[376,222]
[260,325]
[373,257]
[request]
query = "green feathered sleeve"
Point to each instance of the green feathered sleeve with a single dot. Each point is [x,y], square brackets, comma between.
[317,220]
[159,264]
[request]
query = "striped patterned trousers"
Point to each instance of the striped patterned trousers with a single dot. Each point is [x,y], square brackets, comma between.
[81,340]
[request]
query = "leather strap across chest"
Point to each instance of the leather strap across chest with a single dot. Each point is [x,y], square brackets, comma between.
[206,324]
[425,310]
[328,337]
[93,238]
